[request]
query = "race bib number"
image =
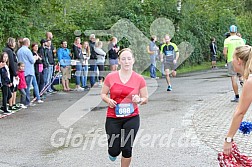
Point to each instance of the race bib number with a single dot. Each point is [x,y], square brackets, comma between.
[124,109]
[168,53]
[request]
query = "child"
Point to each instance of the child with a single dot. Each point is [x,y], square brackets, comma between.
[6,83]
[22,83]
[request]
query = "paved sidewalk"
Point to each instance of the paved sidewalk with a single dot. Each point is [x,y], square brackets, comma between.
[212,122]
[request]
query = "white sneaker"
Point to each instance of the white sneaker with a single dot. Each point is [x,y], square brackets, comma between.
[40,101]
[23,106]
[31,105]
[80,89]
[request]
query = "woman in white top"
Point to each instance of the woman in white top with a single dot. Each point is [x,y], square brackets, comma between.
[242,63]
[86,56]
[100,60]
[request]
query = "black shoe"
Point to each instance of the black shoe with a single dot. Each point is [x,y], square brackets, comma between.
[7,112]
[13,108]
[17,106]
[86,88]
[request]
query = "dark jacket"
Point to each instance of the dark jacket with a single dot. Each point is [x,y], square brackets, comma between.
[43,52]
[92,51]
[112,53]
[77,53]
[213,48]
[4,76]
[13,61]
[50,56]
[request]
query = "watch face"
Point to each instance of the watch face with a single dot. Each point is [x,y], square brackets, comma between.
[229,139]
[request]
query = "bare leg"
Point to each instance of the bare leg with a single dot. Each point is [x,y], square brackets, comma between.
[10,100]
[174,73]
[125,162]
[14,97]
[234,85]
[67,84]
[63,84]
[214,63]
[168,80]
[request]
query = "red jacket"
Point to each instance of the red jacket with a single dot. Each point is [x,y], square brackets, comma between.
[22,82]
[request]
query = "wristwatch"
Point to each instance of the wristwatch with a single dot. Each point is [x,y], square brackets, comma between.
[229,139]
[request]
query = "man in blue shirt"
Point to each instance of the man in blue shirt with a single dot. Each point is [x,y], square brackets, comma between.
[65,64]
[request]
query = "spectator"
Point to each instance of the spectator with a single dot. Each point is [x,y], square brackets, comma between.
[152,49]
[49,37]
[38,66]
[92,60]
[213,51]
[22,84]
[65,65]
[6,82]
[86,56]
[25,56]
[12,59]
[113,54]
[100,60]
[77,55]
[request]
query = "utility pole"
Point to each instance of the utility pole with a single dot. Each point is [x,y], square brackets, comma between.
[179,11]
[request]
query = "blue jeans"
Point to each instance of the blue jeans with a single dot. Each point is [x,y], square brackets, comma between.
[45,75]
[81,74]
[78,73]
[152,71]
[35,87]
[84,76]
[93,72]
[48,72]
[22,96]
[28,80]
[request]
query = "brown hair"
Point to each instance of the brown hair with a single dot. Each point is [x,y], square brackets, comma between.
[1,58]
[123,50]
[33,44]
[20,64]
[245,54]
[87,49]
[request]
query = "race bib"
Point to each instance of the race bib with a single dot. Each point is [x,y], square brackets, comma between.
[168,53]
[124,109]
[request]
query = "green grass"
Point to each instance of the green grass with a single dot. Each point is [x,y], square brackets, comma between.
[201,67]
[188,69]
[59,87]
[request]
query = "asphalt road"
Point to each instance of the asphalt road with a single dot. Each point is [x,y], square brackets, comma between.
[68,128]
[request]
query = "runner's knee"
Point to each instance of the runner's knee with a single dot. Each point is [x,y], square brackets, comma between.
[114,152]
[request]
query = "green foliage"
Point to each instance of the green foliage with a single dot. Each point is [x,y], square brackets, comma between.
[198,21]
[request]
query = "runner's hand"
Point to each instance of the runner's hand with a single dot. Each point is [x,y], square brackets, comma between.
[227,148]
[136,99]
[175,61]
[112,103]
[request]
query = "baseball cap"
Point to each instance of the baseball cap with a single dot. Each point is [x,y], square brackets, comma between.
[233,28]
